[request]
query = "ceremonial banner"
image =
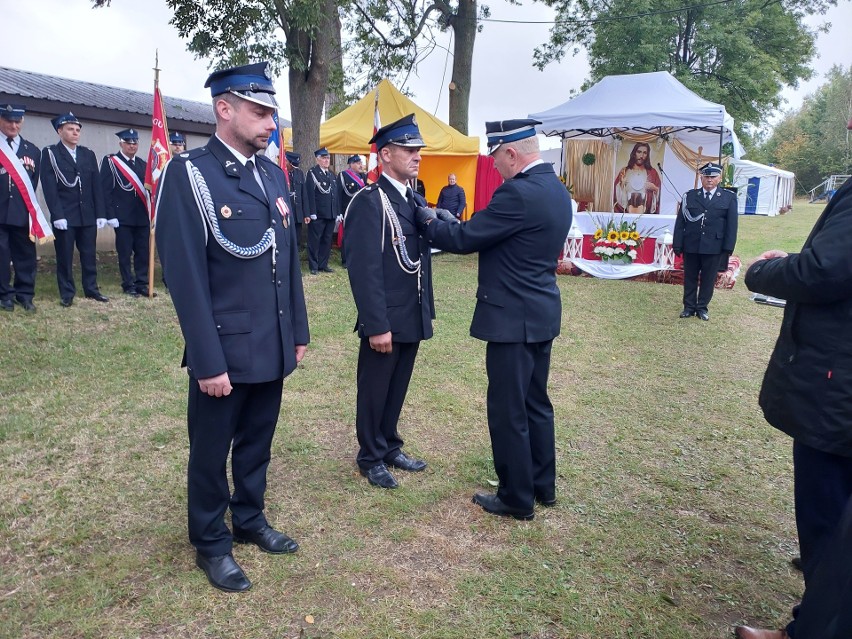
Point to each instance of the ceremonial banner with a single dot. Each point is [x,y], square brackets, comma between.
[273,150]
[373,168]
[40,230]
[159,153]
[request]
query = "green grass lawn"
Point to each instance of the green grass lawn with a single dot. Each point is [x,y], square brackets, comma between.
[675,503]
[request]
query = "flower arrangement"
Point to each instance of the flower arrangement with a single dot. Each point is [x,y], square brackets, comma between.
[617,240]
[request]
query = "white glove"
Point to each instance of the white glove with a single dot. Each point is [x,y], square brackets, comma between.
[101,222]
[61,225]
[113,222]
[339,219]
[313,217]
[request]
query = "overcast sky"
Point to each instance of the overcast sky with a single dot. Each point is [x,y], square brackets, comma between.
[116,47]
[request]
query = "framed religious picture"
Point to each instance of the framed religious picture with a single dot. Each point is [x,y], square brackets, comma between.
[637,182]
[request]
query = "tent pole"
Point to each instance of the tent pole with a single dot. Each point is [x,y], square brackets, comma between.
[721,138]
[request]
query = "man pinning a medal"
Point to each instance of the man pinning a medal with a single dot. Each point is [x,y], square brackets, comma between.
[229,253]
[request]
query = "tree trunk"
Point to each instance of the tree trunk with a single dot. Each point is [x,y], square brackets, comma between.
[464,30]
[308,84]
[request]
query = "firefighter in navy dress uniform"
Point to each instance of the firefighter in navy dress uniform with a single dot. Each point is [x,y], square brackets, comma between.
[349,182]
[177,143]
[705,234]
[298,192]
[390,273]
[15,244]
[322,209]
[519,237]
[71,184]
[128,211]
[226,239]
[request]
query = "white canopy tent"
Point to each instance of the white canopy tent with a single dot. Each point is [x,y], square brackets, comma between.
[762,189]
[647,104]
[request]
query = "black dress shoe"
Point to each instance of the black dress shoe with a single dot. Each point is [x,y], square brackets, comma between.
[313,271]
[98,297]
[492,504]
[547,501]
[27,305]
[685,313]
[66,301]
[267,539]
[223,572]
[796,562]
[327,270]
[703,315]
[403,461]
[144,292]
[7,305]
[380,476]
[132,293]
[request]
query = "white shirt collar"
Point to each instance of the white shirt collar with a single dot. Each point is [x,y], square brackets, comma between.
[73,151]
[240,157]
[125,157]
[711,192]
[16,142]
[399,186]
[531,165]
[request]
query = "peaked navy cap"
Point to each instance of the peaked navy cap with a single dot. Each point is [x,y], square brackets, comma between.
[251,82]
[403,132]
[498,133]
[321,152]
[711,169]
[293,158]
[128,135]
[176,137]
[354,158]
[12,112]
[65,118]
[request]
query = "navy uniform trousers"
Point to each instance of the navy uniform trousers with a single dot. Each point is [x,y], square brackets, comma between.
[520,420]
[697,294]
[85,238]
[251,430]
[383,380]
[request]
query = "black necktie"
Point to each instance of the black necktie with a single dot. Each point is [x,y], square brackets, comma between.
[409,195]
[10,140]
[706,196]
[255,175]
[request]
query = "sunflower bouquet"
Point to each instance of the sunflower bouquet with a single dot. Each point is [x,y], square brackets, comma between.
[616,241]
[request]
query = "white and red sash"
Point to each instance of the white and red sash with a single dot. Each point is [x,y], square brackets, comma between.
[40,230]
[134,181]
[355,177]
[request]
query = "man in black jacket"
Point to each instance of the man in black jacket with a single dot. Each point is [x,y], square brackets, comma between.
[72,189]
[519,236]
[392,285]
[15,244]
[128,211]
[807,388]
[705,234]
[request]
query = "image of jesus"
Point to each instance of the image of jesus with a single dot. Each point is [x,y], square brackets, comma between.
[637,185]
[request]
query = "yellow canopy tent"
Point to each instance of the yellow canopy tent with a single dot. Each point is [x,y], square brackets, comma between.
[447,150]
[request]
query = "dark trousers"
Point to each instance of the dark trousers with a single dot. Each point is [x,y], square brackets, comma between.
[382,385]
[699,266]
[520,421]
[822,487]
[133,242]
[299,241]
[16,247]
[243,424]
[319,243]
[825,612]
[85,238]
